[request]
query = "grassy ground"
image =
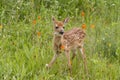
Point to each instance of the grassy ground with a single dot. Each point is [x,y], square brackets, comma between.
[26,34]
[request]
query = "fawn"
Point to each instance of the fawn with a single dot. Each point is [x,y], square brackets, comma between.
[71,40]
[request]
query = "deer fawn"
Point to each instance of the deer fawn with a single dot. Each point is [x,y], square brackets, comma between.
[71,40]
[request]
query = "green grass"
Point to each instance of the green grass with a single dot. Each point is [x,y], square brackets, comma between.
[23,54]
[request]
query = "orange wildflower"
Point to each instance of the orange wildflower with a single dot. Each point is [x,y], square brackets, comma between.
[38,17]
[34,21]
[82,14]
[92,26]
[38,33]
[83,26]
[62,47]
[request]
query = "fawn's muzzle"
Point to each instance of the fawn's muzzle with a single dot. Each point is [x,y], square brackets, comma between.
[61,32]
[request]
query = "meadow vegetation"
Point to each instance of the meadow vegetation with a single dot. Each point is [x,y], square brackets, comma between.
[26,32]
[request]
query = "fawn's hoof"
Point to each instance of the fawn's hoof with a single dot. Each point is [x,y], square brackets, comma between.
[47,66]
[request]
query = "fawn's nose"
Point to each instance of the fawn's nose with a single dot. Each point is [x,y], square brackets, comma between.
[61,32]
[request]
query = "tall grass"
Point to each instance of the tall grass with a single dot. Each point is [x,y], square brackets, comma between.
[26,40]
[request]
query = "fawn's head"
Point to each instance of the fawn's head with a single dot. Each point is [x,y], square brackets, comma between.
[59,26]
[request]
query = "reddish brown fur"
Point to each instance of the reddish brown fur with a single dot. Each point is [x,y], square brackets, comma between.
[59,23]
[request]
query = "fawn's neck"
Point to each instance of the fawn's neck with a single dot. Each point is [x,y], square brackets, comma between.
[57,39]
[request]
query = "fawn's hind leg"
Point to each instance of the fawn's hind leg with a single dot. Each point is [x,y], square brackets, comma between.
[74,53]
[84,59]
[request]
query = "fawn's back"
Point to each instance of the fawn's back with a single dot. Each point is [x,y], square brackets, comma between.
[73,38]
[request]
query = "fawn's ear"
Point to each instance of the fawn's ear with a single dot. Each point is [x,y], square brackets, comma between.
[66,20]
[53,19]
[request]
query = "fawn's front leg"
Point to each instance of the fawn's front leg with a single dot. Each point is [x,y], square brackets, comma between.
[53,60]
[67,53]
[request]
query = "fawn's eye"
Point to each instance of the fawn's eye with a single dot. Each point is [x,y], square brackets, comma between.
[63,27]
[56,27]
